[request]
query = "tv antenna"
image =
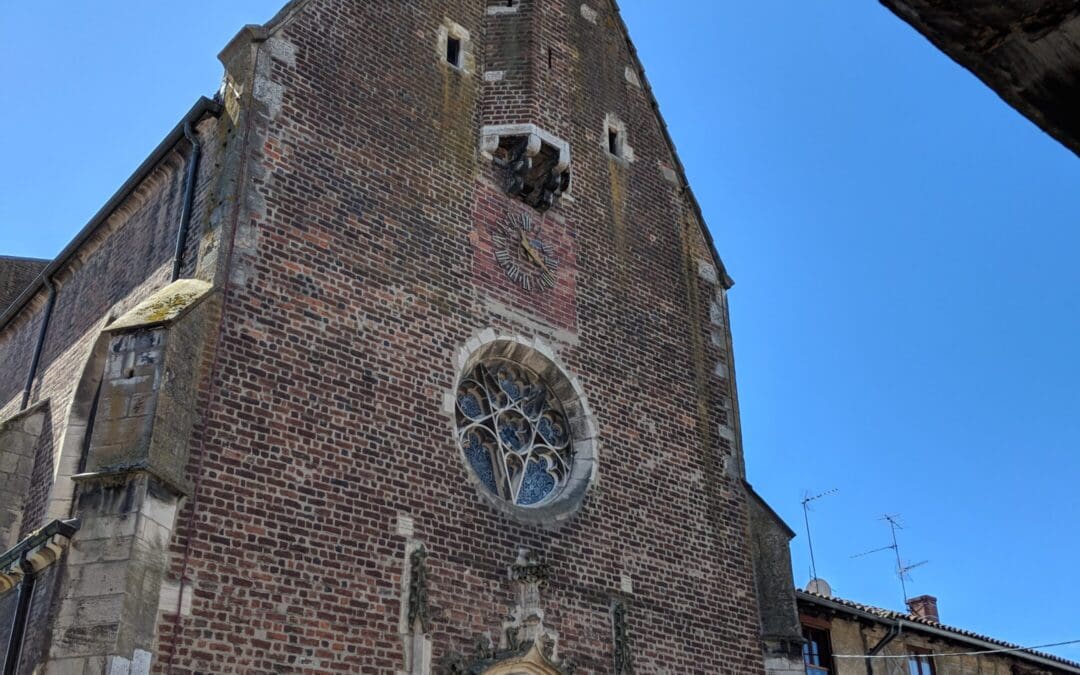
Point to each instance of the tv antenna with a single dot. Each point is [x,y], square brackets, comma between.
[903,572]
[806,519]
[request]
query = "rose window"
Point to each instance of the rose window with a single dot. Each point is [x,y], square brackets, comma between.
[514,433]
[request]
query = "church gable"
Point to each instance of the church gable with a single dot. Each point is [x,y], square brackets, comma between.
[470,407]
[488,322]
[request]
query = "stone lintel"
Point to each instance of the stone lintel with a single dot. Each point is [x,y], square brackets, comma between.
[491,134]
[118,476]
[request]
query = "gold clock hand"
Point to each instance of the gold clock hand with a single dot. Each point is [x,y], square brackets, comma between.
[532,252]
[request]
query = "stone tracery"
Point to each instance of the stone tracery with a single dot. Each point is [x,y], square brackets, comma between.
[514,433]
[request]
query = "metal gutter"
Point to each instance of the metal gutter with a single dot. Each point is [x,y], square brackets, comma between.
[202,107]
[944,633]
[18,625]
[894,632]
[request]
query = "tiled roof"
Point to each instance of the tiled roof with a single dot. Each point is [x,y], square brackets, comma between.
[831,602]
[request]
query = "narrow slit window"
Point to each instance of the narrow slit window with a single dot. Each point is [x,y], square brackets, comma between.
[613,141]
[453,51]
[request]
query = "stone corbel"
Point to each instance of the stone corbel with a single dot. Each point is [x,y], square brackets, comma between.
[491,136]
[114,477]
[537,162]
[33,554]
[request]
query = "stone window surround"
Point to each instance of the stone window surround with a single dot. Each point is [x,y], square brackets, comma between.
[625,153]
[538,357]
[448,30]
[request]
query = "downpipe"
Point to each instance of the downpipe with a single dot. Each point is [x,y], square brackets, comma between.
[894,632]
[49,304]
[189,199]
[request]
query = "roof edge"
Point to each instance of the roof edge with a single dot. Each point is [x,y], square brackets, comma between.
[283,16]
[768,509]
[998,84]
[204,106]
[937,629]
[22,258]
[725,278]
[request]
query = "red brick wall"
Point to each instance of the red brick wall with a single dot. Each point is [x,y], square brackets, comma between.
[360,282]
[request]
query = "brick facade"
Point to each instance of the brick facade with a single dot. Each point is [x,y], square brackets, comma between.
[345,219]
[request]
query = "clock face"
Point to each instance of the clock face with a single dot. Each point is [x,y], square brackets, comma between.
[523,255]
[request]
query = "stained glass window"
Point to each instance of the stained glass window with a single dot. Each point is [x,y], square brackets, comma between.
[514,433]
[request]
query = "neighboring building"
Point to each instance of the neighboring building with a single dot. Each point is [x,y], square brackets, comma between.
[16,275]
[1028,51]
[408,353]
[886,642]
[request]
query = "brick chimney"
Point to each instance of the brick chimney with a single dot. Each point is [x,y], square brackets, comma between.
[924,607]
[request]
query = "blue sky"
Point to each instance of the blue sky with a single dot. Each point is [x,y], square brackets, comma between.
[903,245]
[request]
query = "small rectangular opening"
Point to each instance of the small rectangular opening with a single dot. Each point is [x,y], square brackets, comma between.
[453,51]
[613,141]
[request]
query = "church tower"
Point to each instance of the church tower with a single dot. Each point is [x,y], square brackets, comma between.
[446,385]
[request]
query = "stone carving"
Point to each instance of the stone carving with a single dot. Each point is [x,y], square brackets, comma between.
[485,660]
[535,177]
[418,591]
[526,645]
[530,568]
[624,659]
[536,162]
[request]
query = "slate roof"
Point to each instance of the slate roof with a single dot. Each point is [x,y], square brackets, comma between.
[15,275]
[913,621]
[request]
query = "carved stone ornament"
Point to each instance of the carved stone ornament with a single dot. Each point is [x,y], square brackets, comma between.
[624,658]
[529,660]
[536,162]
[530,568]
[526,646]
[522,253]
[418,591]
[534,176]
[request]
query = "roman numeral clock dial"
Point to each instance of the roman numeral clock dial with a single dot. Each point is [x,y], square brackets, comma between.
[527,260]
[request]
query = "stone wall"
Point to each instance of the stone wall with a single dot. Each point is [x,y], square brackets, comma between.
[1028,51]
[127,258]
[780,629]
[20,447]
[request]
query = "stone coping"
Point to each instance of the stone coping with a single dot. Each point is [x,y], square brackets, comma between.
[164,306]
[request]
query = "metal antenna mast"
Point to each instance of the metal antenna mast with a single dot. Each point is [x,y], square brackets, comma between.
[806,519]
[902,570]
